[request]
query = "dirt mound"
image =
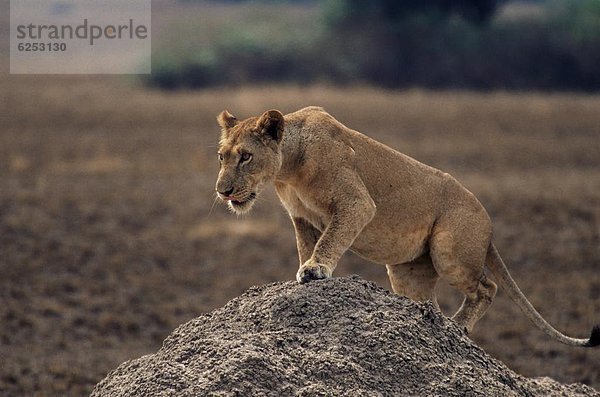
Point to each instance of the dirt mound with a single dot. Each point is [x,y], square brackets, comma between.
[343,336]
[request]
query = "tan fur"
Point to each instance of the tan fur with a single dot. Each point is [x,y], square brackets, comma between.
[344,190]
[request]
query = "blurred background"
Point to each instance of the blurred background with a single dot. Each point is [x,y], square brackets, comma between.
[110,235]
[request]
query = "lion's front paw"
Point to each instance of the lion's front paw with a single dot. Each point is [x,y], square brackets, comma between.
[307,273]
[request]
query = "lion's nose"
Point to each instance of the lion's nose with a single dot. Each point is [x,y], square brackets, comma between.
[227,192]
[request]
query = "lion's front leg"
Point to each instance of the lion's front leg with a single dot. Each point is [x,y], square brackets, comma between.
[306,238]
[349,216]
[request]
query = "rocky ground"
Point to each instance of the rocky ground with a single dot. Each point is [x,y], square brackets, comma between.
[337,337]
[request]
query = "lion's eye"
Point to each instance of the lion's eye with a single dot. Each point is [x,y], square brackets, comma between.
[245,157]
[220,156]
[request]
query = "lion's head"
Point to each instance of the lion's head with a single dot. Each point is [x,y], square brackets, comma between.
[249,157]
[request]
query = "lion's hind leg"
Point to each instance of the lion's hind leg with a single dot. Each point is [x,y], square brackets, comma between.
[475,304]
[415,280]
[458,249]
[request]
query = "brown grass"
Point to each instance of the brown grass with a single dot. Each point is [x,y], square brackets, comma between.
[109,238]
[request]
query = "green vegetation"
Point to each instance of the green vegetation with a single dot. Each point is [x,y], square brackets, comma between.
[548,45]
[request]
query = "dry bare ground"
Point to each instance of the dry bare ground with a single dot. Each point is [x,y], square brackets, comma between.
[109,237]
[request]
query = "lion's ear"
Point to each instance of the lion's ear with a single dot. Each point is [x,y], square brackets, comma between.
[226,120]
[270,125]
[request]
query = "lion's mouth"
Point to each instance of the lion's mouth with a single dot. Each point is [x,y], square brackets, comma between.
[242,205]
[250,197]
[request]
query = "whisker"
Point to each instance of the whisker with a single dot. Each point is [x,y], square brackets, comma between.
[261,199]
[213,204]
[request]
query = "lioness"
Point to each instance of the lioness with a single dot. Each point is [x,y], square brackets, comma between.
[344,190]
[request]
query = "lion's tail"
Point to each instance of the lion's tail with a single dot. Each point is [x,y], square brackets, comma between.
[498,268]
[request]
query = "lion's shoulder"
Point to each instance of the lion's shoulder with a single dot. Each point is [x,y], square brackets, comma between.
[315,120]
[309,112]
[312,109]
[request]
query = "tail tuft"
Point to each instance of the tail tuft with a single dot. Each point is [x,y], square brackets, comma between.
[594,338]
